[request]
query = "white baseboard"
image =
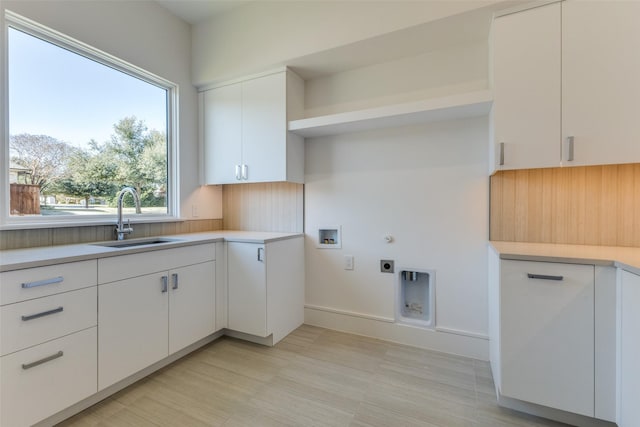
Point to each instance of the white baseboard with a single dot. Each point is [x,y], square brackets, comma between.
[552,414]
[452,342]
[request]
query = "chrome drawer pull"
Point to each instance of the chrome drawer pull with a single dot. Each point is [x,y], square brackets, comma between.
[26,366]
[544,277]
[165,283]
[174,278]
[44,313]
[51,281]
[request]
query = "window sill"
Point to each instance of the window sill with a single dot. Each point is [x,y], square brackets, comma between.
[73,222]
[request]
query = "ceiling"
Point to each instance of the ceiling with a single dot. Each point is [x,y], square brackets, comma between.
[194,11]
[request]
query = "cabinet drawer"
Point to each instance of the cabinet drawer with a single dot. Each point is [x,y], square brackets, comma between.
[32,391]
[35,321]
[22,285]
[140,264]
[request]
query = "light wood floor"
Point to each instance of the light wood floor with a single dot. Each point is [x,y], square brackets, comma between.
[314,377]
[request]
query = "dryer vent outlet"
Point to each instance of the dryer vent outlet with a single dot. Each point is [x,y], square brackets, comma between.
[386,266]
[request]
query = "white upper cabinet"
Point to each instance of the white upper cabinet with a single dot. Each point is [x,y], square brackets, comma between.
[222,129]
[526,88]
[245,133]
[566,83]
[601,81]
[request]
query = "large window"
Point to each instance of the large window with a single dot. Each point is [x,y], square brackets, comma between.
[81,126]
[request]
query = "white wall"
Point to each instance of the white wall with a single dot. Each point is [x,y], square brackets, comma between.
[265,34]
[426,186]
[147,35]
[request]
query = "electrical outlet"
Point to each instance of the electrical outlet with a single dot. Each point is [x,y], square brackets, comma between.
[348,262]
[386,266]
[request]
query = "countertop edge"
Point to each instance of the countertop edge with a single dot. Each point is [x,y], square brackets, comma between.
[93,250]
[627,259]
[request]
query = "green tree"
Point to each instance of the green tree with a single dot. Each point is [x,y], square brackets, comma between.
[91,174]
[141,158]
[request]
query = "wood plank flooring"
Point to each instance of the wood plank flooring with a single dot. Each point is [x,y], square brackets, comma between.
[314,377]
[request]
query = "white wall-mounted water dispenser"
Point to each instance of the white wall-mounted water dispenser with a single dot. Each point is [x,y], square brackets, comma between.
[415,297]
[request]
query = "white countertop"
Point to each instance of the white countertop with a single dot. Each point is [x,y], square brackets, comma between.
[622,257]
[47,255]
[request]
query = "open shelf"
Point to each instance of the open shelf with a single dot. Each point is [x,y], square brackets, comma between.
[458,106]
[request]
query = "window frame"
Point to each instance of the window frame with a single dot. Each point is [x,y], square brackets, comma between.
[35,29]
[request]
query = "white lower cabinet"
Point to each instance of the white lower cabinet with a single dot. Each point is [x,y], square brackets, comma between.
[144,319]
[628,413]
[266,287]
[247,288]
[191,304]
[63,339]
[42,380]
[47,337]
[547,334]
[132,322]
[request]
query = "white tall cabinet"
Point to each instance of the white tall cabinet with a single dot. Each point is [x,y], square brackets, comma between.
[566,80]
[628,349]
[244,130]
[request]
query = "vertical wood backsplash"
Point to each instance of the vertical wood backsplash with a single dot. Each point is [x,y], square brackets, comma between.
[29,238]
[590,205]
[273,206]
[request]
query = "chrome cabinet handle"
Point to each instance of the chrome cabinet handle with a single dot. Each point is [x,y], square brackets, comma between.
[165,283]
[43,314]
[544,277]
[570,148]
[26,366]
[238,177]
[501,162]
[245,172]
[261,254]
[44,282]
[174,279]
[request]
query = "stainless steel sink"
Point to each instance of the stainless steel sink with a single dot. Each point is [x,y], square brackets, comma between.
[137,242]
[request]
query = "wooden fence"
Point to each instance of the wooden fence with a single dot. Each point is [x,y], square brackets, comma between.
[25,199]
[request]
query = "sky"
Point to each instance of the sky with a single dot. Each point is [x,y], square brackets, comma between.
[58,93]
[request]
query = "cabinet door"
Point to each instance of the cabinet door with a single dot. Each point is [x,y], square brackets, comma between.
[132,326]
[601,81]
[264,128]
[191,304]
[222,129]
[628,350]
[526,75]
[547,334]
[247,288]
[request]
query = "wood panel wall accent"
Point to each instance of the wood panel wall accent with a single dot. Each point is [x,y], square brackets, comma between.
[273,206]
[30,238]
[590,205]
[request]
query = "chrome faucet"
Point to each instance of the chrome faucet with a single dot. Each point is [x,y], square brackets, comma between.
[120,229]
